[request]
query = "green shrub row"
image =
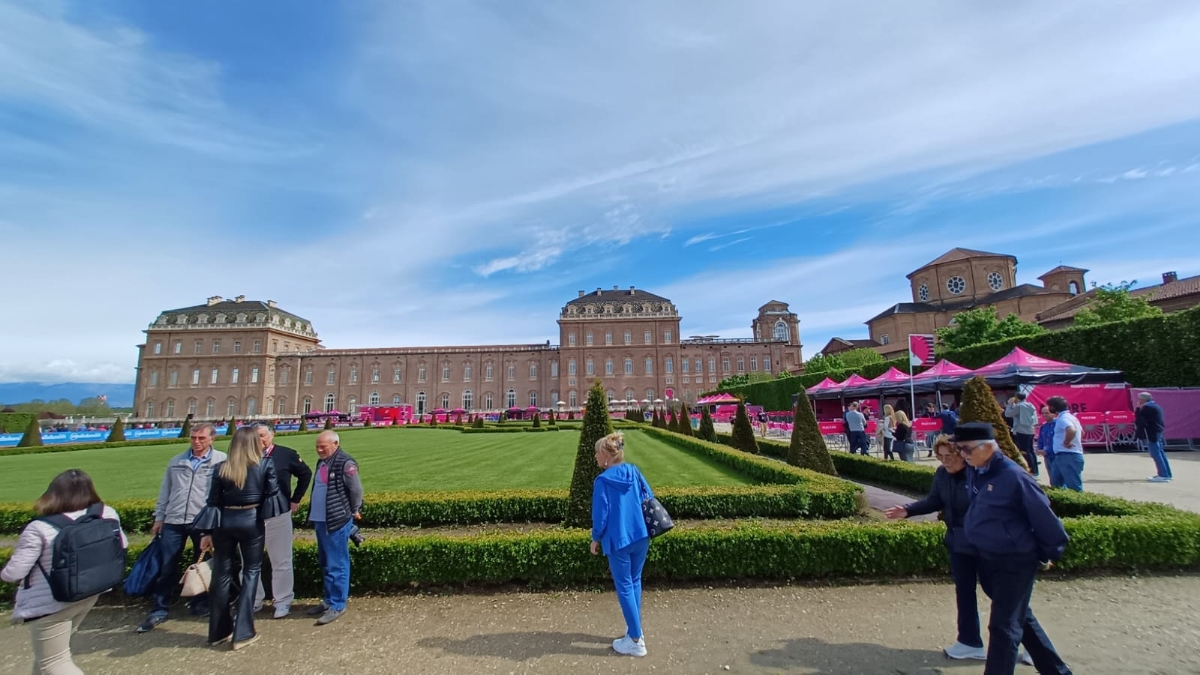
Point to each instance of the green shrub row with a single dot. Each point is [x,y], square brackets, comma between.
[774,551]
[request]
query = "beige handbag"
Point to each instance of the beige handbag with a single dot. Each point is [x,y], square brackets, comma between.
[197,578]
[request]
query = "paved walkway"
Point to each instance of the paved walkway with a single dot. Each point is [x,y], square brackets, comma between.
[1101,626]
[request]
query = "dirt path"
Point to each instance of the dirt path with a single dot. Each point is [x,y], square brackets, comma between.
[1111,625]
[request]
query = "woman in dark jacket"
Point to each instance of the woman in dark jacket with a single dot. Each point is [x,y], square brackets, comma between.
[244,493]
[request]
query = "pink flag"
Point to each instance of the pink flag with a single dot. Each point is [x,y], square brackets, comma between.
[920,350]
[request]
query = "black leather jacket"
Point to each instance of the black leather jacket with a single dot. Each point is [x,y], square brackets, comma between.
[260,489]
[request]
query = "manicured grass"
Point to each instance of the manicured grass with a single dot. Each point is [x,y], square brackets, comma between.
[411,460]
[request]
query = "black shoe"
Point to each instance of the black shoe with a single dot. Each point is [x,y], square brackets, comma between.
[151,621]
[317,610]
[199,610]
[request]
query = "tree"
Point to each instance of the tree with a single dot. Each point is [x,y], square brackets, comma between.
[743,431]
[707,431]
[395,421]
[596,425]
[857,358]
[232,426]
[433,419]
[1112,302]
[823,364]
[328,423]
[478,422]
[571,416]
[807,449]
[783,375]
[672,420]
[458,420]
[367,421]
[980,325]
[551,422]
[979,405]
[303,424]
[117,433]
[186,431]
[32,436]
[685,421]
[537,421]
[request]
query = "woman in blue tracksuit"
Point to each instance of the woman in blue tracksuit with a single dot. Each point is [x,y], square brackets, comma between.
[618,527]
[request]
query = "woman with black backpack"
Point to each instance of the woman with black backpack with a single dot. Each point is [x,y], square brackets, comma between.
[48,596]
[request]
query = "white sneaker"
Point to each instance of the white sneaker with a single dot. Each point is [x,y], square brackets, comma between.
[1024,658]
[282,611]
[1158,479]
[258,608]
[630,647]
[961,652]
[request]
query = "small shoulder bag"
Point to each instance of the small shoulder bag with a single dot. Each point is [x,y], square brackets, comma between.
[658,521]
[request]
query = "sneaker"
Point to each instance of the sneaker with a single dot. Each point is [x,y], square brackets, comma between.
[962,652]
[151,621]
[1024,658]
[317,610]
[330,616]
[1158,479]
[630,647]
[282,611]
[245,643]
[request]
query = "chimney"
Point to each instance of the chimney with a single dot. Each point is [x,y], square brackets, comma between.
[632,290]
[597,291]
[581,294]
[616,288]
[214,300]
[239,298]
[1170,277]
[271,304]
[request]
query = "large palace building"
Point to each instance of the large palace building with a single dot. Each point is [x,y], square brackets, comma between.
[243,358]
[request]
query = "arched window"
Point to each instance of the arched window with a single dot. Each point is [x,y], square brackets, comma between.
[231,407]
[373,399]
[533,399]
[466,373]
[468,399]
[396,399]
[330,401]
[512,372]
[590,369]
[571,367]
[420,403]
[446,401]
[445,372]
[251,406]
[669,365]
[191,406]
[488,371]
[149,408]
[553,398]
[511,398]
[781,331]
[532,371]
[628,394]
[332,379]
[649,366]
[488,402]
[649,394]
[612,395]
[628,338]
[353,374]
[1073,288]
[307,404]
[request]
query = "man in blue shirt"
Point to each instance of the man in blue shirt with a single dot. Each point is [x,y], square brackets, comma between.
[1010,524]
[1150,425]
[1068,446]
[1045,443]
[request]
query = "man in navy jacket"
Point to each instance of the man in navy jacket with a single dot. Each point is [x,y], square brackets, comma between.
[1149,428]
[1011,525]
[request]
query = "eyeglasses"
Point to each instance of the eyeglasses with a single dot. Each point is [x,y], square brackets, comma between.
[965,448]
[945,456]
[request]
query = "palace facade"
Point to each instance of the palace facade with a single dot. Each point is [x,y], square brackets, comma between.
[245,358]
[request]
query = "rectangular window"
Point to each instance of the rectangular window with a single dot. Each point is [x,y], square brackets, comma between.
[724,364]
[216,374]
[512,372]
[608,337]
[649,366]
[421,374]
[283,376]
[254,375]
[233,377]
[885,339]
[670,379]
[667,337]
[210,408]
[216,346]
[571,367]
[174,379]
[178,347]
[712,365]
[395,375]
[274,346]
[554,369]
[628,338]
[608,367]
[374,373]
[237,347]
[157,347]
[741,364]
[195,376]
[766,364]
[685,363]
[445,372]
[669,365]
[591,368]
[628,366]
[533,371]
[648,337]
[308,376]
[332,377]
[199,347]
[170,408]
[257,348]
[571,340]
[191,409]
[466,376]
[154,378]
[589,338]
[754,363]
[488,373]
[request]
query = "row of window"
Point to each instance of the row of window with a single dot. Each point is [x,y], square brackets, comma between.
[198,347]
[210,407]
[214,376]
[647,338]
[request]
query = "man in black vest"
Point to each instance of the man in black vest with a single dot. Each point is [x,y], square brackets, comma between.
[279,529]
[337,498]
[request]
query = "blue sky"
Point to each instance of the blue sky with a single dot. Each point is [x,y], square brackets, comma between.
[453,172]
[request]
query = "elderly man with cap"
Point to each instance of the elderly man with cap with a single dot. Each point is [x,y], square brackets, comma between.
[1010,524]
[1149,428]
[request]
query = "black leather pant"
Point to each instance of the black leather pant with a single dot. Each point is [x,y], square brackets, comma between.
[241,531]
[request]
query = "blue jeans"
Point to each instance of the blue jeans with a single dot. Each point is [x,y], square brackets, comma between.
[1010,585]
[333,553]
[858,439]
[1048,460]
[172,539]
[1067,470]
[1159,455]
[965,571]
[626,567]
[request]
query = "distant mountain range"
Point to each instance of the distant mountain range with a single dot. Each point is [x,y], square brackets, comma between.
[119,395]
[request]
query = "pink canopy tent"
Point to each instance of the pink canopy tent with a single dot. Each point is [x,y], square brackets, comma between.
[1021,367]
[892,376]
[823,385]
[942,368]
[854,380]
[1019,358]
[716,399]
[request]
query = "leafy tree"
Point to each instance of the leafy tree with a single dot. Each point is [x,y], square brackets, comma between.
[979,405]
[807,449]
[1112,302]
[685,421]
[857,358]
[186,430]
[823,364]
[980,325]
[734,381]
[32,436]
[783,375]
[743,431]
[596,425]
[537,421]
[117,433]
[707,431]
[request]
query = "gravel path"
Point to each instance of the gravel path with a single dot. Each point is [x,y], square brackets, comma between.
[1108,625]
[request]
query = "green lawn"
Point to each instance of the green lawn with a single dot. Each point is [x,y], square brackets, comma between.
[390,460]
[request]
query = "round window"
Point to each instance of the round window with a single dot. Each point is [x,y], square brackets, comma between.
[995,281]
[956,285]
[923,293]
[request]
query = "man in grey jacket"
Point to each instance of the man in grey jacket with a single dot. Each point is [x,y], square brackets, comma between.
[183,493]
[1025,423]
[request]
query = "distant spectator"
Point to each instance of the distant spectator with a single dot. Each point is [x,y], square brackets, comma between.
[903,444]
[1068,445]
[1024,427]
[1150,425]
[1045,443]
[856,430]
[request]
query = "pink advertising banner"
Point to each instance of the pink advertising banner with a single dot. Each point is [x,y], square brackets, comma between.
[1083,398]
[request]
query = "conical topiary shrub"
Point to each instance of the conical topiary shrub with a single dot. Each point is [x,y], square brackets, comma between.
[432,420]
[33,434]
[232,427]
[743,432]
[807,449]
[571,416]
[551,422]
[685,421]
[303,424]
[979,404]
[186,429]
[478,422]
[328,423]
[367,422]
[117,433]
[458,420]
[596,425]
[707,431]
[396,421]
[537,421]
[672,421]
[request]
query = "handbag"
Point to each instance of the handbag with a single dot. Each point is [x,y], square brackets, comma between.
[197,578]
[658,521]
[145,570]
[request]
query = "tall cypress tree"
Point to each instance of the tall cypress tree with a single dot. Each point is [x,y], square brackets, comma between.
[186,430]
[537,421]
[979,405]
[596,425]
[807,449]
[685,421]
[551,422]
[233,424]
[707,431]
[117,433]
[743,431]
[33,434]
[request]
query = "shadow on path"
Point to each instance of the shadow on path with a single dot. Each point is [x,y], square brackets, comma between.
[522,646]
[825,658]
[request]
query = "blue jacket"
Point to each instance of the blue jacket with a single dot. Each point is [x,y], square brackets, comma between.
[1149,422]
[617,497]
[1010,515]
[1045,438]
[949,421]
[948,494]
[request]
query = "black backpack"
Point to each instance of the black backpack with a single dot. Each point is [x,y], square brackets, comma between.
[88,558]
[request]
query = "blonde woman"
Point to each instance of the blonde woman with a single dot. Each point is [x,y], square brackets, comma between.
[618,527]
[903,436]
[887,430]
[243,494]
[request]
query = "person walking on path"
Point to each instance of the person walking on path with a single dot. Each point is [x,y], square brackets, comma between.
[1067,445]
[902,445]
[336,502]
[1150,424]
[279,529]
[243,494]
[1024,428]
[1045,444]
[183,494]
[71,496]
[856,430]
[619,529]
[1010,524]
[887,431]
